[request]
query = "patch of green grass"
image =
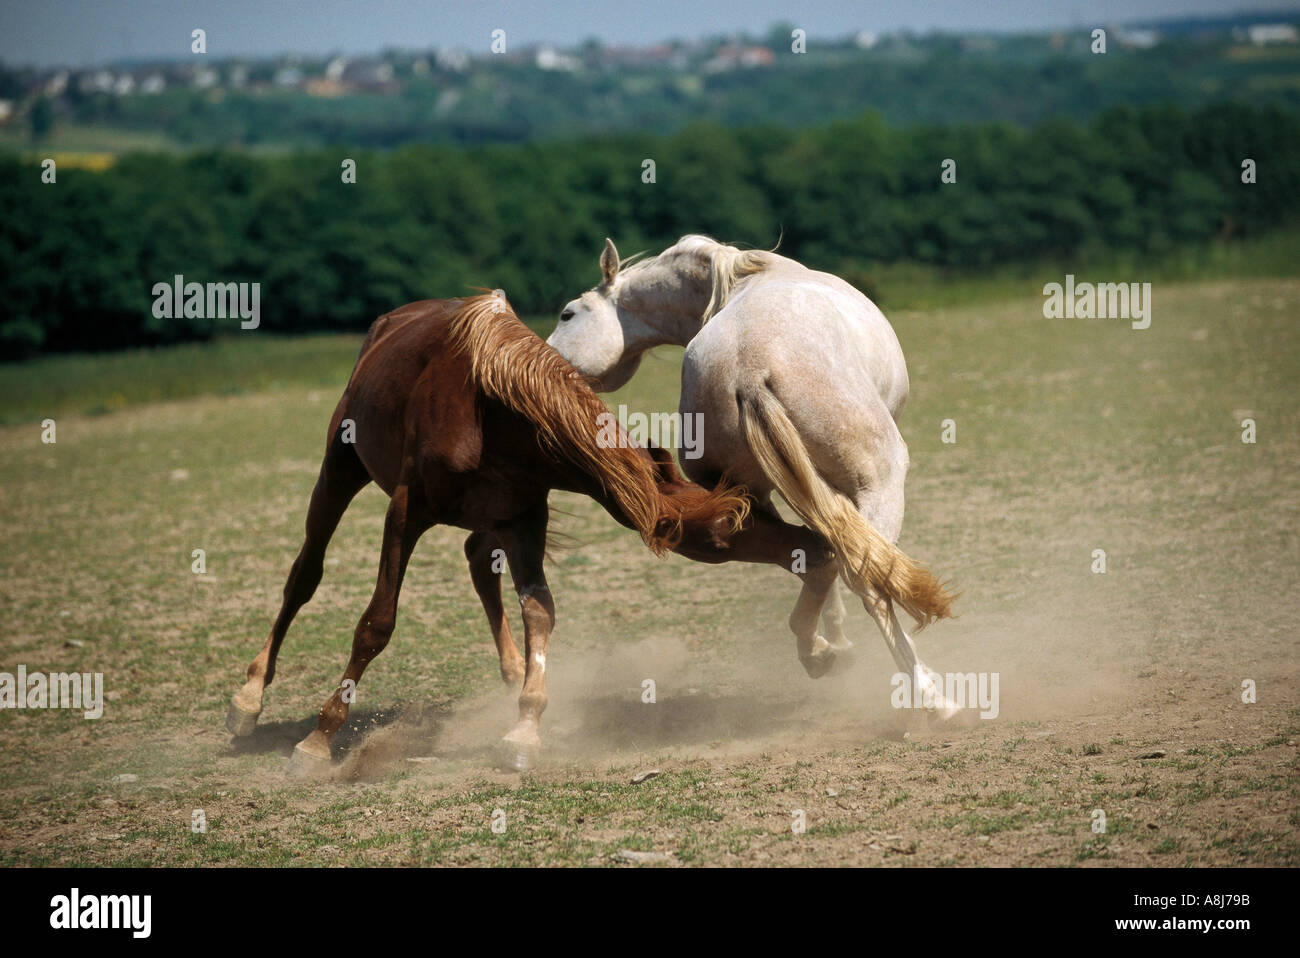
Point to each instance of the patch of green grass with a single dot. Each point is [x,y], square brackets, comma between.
[1096,847]
[100,384]
[922,286]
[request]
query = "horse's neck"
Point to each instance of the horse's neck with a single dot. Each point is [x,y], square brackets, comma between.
[669,299]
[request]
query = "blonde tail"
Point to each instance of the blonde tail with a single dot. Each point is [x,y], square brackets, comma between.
[866,558]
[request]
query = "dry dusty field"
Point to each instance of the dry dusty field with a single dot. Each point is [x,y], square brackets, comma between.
[1120,691]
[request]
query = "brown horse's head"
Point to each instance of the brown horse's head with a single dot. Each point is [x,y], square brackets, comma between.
[694,520]
[643,487]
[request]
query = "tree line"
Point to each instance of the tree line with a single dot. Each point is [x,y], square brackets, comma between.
[82,254]
[934,79]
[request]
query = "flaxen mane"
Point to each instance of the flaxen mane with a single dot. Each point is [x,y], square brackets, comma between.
[513,365]
[727,266]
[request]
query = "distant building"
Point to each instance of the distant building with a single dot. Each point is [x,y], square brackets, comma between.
[1262,34]
[447,101]
[95,81]
[455,60]
[371,76]
[548,58]
[1138,39]
[324,87]
[732,56]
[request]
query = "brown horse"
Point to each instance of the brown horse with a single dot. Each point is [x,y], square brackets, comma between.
[463,416]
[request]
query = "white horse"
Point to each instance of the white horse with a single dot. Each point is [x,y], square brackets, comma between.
[799,380]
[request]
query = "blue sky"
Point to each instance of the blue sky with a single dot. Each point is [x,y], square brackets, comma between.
[77,32]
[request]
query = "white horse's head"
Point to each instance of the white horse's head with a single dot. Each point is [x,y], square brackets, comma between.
[661,299]
[600,339]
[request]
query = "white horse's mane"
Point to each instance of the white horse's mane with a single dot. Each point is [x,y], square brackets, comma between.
[727,266]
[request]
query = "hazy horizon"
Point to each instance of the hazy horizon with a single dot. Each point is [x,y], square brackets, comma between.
[91,32]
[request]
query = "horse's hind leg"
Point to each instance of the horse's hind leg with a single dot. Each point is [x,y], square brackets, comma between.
[816,654]
[487,583]
[526,550]
[833,614]
[403,525]
[766,537]
[883,508]
[927,687]
[341,477]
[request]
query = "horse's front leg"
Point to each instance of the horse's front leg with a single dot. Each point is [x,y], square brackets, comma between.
[525,551]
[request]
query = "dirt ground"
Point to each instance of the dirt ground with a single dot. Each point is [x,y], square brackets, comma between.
[1124,693]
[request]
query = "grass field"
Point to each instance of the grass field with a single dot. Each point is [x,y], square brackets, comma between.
[1120,692]
[263,361]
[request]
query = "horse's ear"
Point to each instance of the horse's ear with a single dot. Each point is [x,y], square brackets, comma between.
[665,465]
[609,262]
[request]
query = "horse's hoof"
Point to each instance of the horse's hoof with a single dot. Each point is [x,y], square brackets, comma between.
[307,764]
[842,644]
[819,661]
[240,721]
[951,717]
[519,756]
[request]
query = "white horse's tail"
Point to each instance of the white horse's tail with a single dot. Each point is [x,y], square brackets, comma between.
[866,558]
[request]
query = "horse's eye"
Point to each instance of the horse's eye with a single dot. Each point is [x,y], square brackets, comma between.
[567,314]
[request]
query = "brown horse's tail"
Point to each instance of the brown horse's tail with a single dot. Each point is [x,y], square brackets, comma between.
[866,558]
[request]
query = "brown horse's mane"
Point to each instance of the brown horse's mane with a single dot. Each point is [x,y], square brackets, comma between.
[512,364]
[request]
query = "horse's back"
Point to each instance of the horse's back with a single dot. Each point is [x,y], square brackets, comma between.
[408,389]
[807,327]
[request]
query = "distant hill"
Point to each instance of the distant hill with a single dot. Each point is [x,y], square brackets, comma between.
[1183,26]
[540,93]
